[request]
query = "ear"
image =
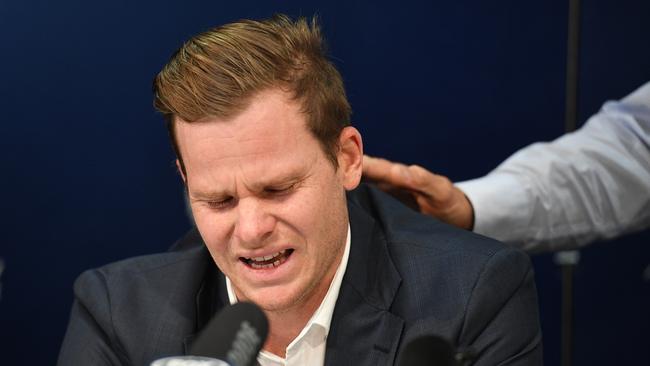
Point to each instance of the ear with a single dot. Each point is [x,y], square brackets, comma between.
[180,171]
[350,157]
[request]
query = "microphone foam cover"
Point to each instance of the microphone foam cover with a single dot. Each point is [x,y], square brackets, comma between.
[236,335]
[188,361]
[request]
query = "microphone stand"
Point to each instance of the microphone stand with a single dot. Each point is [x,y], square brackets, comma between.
[568,260]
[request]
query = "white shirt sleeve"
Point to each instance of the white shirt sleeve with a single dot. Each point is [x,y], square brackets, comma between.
[587,185]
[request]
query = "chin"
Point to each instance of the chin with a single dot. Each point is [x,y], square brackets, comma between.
[274,303]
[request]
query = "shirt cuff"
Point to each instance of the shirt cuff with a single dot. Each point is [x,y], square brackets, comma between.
[500,205]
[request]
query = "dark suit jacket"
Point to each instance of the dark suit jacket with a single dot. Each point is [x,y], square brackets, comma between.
[407,276]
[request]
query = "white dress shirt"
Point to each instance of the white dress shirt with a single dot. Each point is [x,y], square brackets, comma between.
[587,185]
[308,348]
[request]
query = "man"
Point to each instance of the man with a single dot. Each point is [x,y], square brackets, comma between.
[261,127]
[587,185]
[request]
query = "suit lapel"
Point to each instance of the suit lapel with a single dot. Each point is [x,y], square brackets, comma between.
[176,312]
[363,330]
[211,297]
[209,301]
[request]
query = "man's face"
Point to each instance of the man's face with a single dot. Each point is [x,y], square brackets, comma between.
[270,206]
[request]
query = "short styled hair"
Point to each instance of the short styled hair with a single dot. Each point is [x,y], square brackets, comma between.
[215,74]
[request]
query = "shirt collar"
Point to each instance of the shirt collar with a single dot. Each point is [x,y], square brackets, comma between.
[323,315]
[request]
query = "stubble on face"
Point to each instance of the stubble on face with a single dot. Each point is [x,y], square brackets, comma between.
[237,170]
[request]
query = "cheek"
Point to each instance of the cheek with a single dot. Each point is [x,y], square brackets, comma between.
[320,215]
[305,212]
[213,231]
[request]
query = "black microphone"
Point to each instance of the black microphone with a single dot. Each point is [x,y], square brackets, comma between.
[233,337]
[236,335]
[431,350]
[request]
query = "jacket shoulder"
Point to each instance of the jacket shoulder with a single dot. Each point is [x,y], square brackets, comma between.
[470,289]
[403,226]
[150,297]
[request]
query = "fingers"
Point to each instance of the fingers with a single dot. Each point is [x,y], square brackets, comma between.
[436,187]
[412,177]
[431,193]
[387,172]
[456,210]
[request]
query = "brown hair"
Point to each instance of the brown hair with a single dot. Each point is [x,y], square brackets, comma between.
[215,73]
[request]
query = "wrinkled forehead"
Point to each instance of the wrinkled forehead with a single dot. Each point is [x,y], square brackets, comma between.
[270,133]
[259,134]
[231,161]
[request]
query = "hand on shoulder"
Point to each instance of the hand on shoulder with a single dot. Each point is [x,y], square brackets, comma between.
[433,194]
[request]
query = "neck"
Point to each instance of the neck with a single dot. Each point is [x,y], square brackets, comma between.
[285,325]
[283,329]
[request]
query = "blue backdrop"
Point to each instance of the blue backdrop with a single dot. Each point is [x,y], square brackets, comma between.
[87,173]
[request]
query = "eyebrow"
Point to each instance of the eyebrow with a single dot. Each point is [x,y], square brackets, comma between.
[208,196]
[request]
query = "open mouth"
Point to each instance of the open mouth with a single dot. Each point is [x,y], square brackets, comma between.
[268,261]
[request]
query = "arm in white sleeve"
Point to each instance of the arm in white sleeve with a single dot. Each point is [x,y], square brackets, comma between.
[587,185]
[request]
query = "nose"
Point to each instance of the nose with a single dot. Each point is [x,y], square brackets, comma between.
[254,223]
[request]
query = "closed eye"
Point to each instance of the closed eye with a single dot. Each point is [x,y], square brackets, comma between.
[279,191]
[221,204]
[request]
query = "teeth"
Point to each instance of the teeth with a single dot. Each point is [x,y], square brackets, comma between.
[262,262]
[266,257]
